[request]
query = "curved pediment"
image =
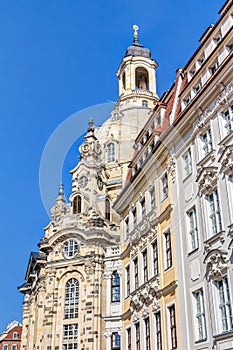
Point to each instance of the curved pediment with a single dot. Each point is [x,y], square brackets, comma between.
[207,179]
[217,264]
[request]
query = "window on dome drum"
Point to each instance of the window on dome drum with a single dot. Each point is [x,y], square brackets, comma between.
[107,209]
[115,286]
[147,332]
[71,299]
[70,337]
[111,152]
[77,204]
[207,145]
[228,118]
[137,331]
[128,334]
[168,250]
[70,248]
[200,320]
[158,330]
[145,266]
[192,229]
[144,103]
[187,158]
[155,257]
[115,341]
[141,79]
[224,305]
[215,223]
[15,335]
[135,263]
[172,318]
[123,80]
[164,185]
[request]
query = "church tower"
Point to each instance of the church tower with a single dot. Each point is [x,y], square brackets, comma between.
[73,284]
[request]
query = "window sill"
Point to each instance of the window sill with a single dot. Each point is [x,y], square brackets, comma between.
[168,268]
[220,236]
[200,341]
[193,251]
[187,177]
[223,335]
[210,156]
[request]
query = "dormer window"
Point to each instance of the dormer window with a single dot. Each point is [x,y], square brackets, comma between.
[214,67]
[111,154]
[197,88]
[218,38]
[77,204]
[187,100]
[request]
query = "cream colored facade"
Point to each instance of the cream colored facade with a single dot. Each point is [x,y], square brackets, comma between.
[140,258]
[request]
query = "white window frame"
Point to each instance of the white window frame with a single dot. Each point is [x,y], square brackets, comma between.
[206,142]
[127,294]
[164,187]
[199,315]
[214,213]
[70,335]
[192,228]
[224,307]
[154,335]
[168,306]
[110,152]
[227,116]
[152,197]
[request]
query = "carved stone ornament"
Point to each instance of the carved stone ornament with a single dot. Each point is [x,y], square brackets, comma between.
[207,179]
[171,168]
[216,263]
[107,275]
[155,305]
[145,311]
[226,160]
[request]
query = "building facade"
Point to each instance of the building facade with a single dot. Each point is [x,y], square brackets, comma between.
[10,338]
[141,255]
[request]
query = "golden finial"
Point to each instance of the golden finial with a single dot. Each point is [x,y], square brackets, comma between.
[135,28]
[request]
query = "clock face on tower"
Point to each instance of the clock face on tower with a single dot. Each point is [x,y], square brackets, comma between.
[70,248]
[85,147]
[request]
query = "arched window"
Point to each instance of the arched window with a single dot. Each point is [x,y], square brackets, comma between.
[107,209]
[110,152]
[77,204]
[15,335]
[115,341]
[123,80]
[71,298]
[141,79]
[115,286]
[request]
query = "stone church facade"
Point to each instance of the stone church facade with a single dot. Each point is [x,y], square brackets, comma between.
[144,245]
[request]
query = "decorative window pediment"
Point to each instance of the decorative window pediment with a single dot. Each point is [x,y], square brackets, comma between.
[226,160]
[207,179]
[216,262]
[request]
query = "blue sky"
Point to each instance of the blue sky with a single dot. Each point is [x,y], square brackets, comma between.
[58,57]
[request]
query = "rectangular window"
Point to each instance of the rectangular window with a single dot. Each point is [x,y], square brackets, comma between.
[197,88]
[129,346]
[135,262]
[224,305]
[200,315]
[70,336]
[192,229]
[187,100]
[158,330]
[115,341]
[145,266]
[168,249]
[164,184]
[214,67]
[215,224]
[137,330]
[152,198]
[127,277]
[228,117]
[187,162]
[143,208]
[147,332]
[134,215]
[172,317]
[155,257]
[206,139]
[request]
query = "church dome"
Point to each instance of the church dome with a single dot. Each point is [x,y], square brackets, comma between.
[137,50]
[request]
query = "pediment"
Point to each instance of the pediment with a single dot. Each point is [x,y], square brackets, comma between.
[207,179]
[216,263]
[226,160]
